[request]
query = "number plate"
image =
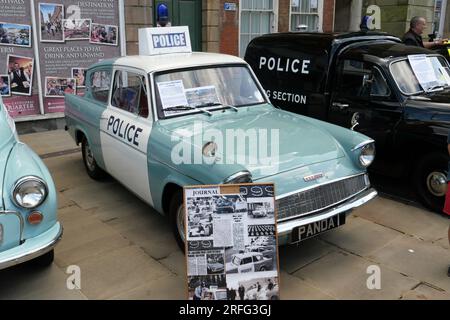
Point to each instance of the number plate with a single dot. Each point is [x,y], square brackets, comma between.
[313,229]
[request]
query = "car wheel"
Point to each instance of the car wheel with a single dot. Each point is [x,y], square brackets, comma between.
[176,212]
[262,269]
[93,170]
[430,180]
[44,260]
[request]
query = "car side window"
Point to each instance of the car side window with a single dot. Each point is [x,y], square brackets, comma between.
[379,87]
[256,258]
[353,78]
[129,93]
[361,80]
[246,260]
[100,84]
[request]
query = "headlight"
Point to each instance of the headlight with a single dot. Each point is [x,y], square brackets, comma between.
[29,192]
[367,154]
[239,177]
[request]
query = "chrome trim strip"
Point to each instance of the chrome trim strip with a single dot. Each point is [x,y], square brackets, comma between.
[284,195]
[317,210]
[285,228]
[21,219]
[23,180]
[362,144]
[236,175]
[34,254]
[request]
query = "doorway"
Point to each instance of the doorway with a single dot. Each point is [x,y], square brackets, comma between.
[184,13]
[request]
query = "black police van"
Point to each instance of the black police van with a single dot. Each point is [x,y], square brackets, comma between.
[372,83]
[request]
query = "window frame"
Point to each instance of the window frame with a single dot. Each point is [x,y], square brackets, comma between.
[90,89]
[273,21]
[120,68]
[320,6]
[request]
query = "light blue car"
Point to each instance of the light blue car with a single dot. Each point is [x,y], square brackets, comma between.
[29,229]
[158,123]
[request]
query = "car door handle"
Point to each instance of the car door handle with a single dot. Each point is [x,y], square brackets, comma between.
[341,106]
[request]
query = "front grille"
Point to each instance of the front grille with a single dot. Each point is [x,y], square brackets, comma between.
[321,197]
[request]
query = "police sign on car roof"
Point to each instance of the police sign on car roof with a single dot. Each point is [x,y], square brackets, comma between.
[155,41]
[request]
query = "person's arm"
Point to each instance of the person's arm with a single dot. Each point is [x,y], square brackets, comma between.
[431,44]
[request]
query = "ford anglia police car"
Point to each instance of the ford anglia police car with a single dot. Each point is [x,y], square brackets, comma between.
[143,121]
[29,228]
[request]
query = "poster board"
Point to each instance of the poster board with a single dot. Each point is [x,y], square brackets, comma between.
[53,42]
[232,245]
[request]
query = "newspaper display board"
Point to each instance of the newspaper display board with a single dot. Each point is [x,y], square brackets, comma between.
[231,247]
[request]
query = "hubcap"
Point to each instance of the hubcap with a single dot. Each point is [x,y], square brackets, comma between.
[437,183]
[89,157]
[180,223]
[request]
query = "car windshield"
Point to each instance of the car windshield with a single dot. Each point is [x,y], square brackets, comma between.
[236,261]
[428,74]
[180,92]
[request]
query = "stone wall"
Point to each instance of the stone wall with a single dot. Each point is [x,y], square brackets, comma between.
[138,14]
[396,14]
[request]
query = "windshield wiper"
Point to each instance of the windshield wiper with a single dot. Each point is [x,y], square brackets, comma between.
[212,104]
[437,87]
[186,107]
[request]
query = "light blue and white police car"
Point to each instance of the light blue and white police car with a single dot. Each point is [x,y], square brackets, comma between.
[29,229]
[137,110]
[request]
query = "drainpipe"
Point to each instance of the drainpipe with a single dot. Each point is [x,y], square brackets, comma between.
[355,15]
[442,18]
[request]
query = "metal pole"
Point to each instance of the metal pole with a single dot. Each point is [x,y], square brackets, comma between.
[442,18]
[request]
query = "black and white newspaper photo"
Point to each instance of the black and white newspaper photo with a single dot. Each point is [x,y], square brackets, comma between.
[231,233]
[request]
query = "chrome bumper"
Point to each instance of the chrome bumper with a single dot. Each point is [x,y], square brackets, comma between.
[32,248]
[285,228]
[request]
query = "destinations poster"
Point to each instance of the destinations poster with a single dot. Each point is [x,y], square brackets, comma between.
[18,77]
[231,246]
[47,46]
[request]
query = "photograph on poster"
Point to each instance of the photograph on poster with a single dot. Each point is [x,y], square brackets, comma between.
[50,22]
[260,210]
[261,230]
[79,74]
[57,87]
[224,204]
[20,70]
[215,263]
[12,34]
[200,226]
[261,286]
[104,34]
[76,29]
[210,287]
[242,261]
[5,89]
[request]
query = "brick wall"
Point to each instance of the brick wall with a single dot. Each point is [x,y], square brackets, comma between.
[283,15]
[138,14]
[328,15]
[229,29]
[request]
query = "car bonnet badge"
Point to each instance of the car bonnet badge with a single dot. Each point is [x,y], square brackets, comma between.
[313,177]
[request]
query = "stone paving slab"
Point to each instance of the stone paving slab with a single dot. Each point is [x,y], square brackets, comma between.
[361,236]
[344,276]
[417,258]
[126,250]
[27,282]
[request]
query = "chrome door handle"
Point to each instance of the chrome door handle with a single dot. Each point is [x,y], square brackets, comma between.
[341,106]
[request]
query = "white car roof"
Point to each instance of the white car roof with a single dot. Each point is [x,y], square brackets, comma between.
[246,254]
[175,61]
